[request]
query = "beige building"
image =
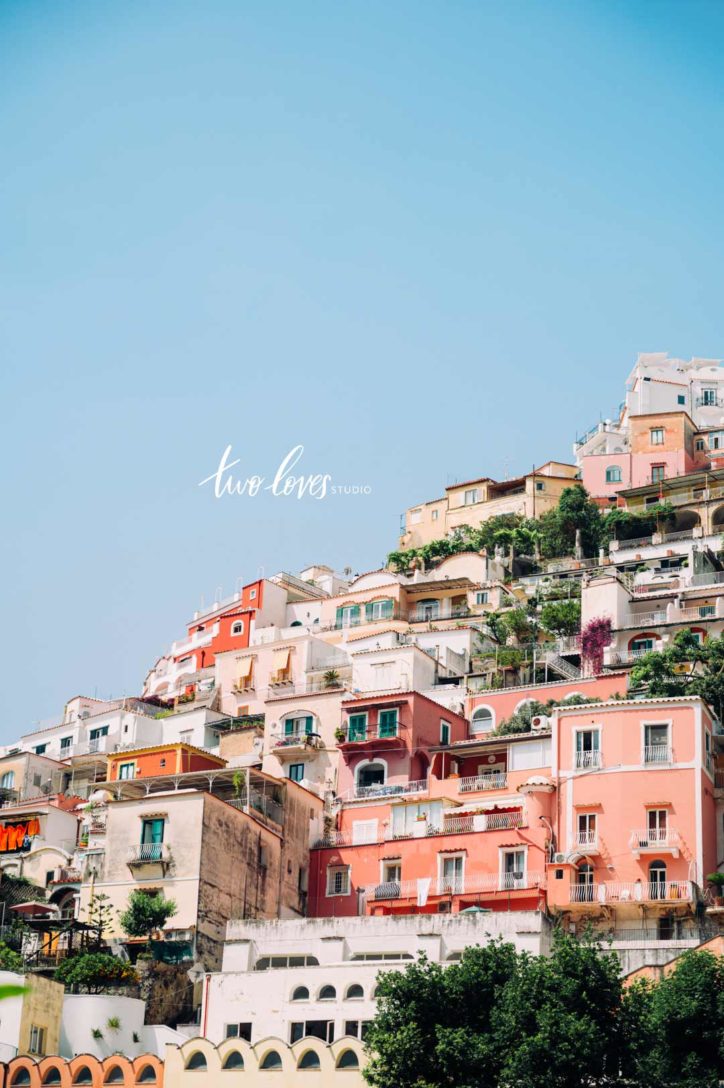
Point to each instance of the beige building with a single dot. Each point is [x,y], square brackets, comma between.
[200,1064]
[474,501]
[30,1023]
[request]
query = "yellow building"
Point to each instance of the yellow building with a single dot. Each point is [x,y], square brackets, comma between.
[200,1064]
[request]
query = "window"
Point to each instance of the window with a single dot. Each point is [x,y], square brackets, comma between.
[470,496]
[357,729]
[656,744]
[369,957]
[37,1040]
[405,817]
[513,869]
[186,736]
[379,610]
[99,731]
[387,723]
[716,440]
[364,831]
[681,398]
[148,1075]
[327,993]
[435,515]
[233,1060]
[309,1060]
[271,1062]
[371,774]
[482,720]
[127,770]
[452,871]
[706,611]
[338,880]
[301,993]
[314,1029]
[252,595]
[540,485]
[40,749]
[641,646]
[296,772]
[83,1075]
[415,517]
[21,1077]
[658,473]
[656,825]
[354,992]
[152,839]
[707,749]
[482,596]
[237,628]
[348,616]
[238,1031]
[583,891]
[392,871]
[708,397]
[297,727]
[65,744]
[656,435]
[427,610]
[588,748]
[52,1076]
[270,963]
[700,445]
[444,732]
[613,474]
[657,880]
[348,1060]
[586,835]
[7,781]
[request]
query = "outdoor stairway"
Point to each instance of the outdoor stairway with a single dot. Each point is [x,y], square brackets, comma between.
[565,668]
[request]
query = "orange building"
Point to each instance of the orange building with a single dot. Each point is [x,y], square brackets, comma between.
[160,759]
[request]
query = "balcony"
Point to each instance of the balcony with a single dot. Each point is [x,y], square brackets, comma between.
[491,780]
[587,841]
[477,885]
[588,760]
[656,840]
[384,790]
[642,620]
[710,402]
[386,735]
[286,689]
[483,821]
[707,578]
[287,746]
[656,753]
[148,853]
[634,892]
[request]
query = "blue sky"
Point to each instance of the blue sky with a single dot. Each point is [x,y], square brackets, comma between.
[426,241]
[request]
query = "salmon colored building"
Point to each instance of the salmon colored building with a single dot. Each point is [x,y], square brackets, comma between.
[604,813]
[85,1069]
[160,759]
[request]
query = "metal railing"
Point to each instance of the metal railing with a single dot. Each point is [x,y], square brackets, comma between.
[491,780]
[591,758]
[467,884]
[147,852]
[372,732]
[710,402]
[652,837]
[656,753]
[384,789]
[636,542]
[707,578]
[702,612]
[585,838]
[633,892]
[283,689]
[645,619]
[296,740]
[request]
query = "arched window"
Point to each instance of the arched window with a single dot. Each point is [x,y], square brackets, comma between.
[52,1076]
[642,644]
[147,1075]
[20,1076]
[348,1060]
[482,720]
[657,880]
[354,992]
[114,1075]
[327,993]
[301,993]
[373,773]
[83,1075]
[309,1060]
[237,628]
[613,474]
[271,1061]
[196,1063]
[233,1060]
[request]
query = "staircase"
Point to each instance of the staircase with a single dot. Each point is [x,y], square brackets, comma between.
[565,668]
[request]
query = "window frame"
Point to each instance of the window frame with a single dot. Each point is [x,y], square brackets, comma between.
[333,871]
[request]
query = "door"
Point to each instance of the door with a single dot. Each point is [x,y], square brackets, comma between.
[452,875]
[514,869]
[657,880]
[587,829]
[152,839]
[656,826]
[584,884]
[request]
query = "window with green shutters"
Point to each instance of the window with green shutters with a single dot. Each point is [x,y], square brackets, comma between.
[379,610]
[296,726]
[348,616]
[357,727]
[388,723]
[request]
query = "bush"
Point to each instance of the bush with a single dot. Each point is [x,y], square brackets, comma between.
[95,972]
[10,960]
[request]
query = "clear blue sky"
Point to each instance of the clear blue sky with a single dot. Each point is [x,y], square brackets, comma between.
[425,240]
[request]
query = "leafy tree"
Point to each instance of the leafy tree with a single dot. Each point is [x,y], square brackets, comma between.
[618,524]
[687,667]
[10,960]
[146,913]
[576,510]
[561,617]
[94,972]
[520,721]
[100,914]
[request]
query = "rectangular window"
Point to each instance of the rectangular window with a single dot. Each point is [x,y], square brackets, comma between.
[435,515]
[357,729]
[37,1040]
[7,781]
[681,398]
[296,772]
[444,732]
[379,610]
[471,496]
[700,443]
[392,871]
[298,727]
[338,880]
[65,744]
[452,873]
[101,731]
[415,517]
[658,473]
[482,596]
[513,875]
[387,723]
[540,485]
[657,436]
[706,611]
[708,397]
[586,835]
[39,749]
[312,1029]
[588,748]
[127,770]
[656,744]
[613,474]
[716,440]
[152,839]
[238,1031]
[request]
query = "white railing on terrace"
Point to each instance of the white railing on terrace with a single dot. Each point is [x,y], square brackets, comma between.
[702,612]
[383,789]
[469,884]
[569,645]
[655,837]
[491,780]
[636,542]
[635,892]
[625,657]
[646,619]
[588,759]
[148,852]
[585,838]
[707,578]
[484,821]
[649,589]
[656,753]
[199,638]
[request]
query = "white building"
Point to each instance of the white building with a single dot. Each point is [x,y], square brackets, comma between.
[317,977]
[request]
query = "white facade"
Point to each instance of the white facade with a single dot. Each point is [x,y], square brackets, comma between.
[268,999]
[84,1013]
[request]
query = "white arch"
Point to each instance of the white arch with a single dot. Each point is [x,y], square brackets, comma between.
[366,763]
[522,703]
[478,710]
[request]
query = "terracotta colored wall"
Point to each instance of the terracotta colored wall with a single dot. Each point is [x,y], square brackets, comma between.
[165,761]
[503,703]
[68,1068]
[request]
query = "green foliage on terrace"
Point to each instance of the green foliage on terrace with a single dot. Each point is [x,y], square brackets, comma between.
[687,667]
[520,721]
[552,536]
[95,972]
[506,1019]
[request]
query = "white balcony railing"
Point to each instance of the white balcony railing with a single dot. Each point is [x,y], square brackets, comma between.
[646,619]
[147,853]
[384,789]
[467,884]
[586,839]
[656,753]
[655,838]
[635,892]
[588,759]
[491,780]
[707,578]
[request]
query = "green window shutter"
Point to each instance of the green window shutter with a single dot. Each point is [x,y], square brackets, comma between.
[288,727]
[357,726]
[354,615]
[369,610]
[340,617]
[388,608]
[388,723]
[308,725]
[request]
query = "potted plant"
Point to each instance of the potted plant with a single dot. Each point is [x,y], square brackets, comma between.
[339,734]
[331,678]
[717,882]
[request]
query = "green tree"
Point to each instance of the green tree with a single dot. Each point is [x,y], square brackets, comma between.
[576,510]
[687,667]
[94,972]
[687,1013]
[100,915]
[145,914]
[561,617]
[10,960]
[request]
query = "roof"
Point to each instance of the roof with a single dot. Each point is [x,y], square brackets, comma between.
[618,704]
[170,746]
[675,483]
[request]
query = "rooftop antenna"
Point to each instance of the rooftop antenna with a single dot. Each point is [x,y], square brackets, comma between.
[259,573]
[217,594]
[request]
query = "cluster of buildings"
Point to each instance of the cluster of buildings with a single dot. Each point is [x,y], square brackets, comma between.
[316,774]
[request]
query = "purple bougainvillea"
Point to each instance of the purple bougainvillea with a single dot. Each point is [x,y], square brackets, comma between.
[595,637]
